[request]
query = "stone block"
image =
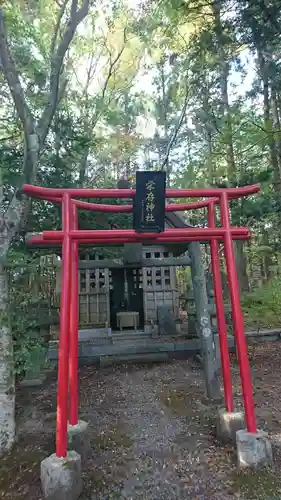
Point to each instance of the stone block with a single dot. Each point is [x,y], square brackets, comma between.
[147,328]
[227,425]
[217,352]
[32,382]
[78,439]
[215,323]
[155,330]
[166,320]
[254,450]
[61,478]
[178,327]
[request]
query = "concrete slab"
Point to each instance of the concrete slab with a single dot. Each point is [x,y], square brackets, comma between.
[254,450]
[79,439]
[91,353]
[92,333]
[61,478]
[227,425]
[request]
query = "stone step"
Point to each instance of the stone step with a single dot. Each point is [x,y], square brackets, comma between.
[91,351]
[134,358]
[102,337]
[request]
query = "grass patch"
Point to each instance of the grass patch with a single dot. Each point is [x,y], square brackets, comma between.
[113,438]
[178,401]
[262,306]
[183,404]
[257,485]
[21,467]
[95,481]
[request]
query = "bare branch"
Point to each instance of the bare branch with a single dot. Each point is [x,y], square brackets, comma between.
[97,175]
[57,26]
[88,126]
[12,78]
[1,188]
[91,68]
[113,64]
[62,90]
[76,17]
[83,166]
[74,7]
[10,137]
[23,111]
[112,67]
[175,132]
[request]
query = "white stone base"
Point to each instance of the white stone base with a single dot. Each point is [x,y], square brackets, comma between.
[78,439]
[253,450]
[227,425]
[61,478]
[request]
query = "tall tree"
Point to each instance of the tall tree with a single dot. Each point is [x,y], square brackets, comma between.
[34,128]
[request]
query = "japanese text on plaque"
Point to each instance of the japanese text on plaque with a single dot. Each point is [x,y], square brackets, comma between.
[150,201]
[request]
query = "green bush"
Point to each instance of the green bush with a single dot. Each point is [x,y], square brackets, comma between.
[262,307]
[28,306]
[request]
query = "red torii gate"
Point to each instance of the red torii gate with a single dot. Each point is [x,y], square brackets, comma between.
[70,236]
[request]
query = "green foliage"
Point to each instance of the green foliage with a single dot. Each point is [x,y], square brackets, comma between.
[262,307]
[129,75]
[29,310]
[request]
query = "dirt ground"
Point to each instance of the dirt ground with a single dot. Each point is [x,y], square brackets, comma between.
[152,434]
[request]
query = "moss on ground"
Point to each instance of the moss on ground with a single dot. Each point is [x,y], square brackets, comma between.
[21,466]
[182,404]
[178,402]
[262,484]
[112,438]
[94,481]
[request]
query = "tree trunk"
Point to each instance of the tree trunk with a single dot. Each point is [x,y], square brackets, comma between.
[223,77]
[35,131]
[83,167]
[241,263]
[230,160]
[241,260]
[251,271]
[165,121]
[210,158]
[276,127]
[7,385]
[268,125]
[204,322]
[267,259]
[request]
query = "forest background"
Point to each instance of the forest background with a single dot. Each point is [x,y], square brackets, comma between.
[93,91]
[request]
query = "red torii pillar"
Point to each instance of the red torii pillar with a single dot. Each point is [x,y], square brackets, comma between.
[74,321]
[237,315]
[63,362]
[222,326]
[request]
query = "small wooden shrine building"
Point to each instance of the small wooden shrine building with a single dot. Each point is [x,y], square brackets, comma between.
[139,282]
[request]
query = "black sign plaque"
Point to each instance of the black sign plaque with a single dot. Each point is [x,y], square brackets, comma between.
[149,202]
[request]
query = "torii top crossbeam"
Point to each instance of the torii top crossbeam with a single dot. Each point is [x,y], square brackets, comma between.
[42,192]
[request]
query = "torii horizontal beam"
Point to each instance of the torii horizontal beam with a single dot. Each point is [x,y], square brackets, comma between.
[119,263]
[129,235]
[42,192]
